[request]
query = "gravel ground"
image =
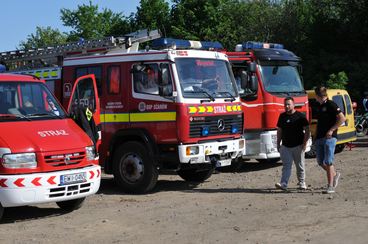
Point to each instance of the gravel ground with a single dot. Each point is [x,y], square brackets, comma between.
[230,207]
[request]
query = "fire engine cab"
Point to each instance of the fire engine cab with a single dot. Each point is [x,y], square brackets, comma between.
[171,106]
[44,155]
[266,73]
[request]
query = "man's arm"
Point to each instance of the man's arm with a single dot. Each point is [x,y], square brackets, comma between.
[279,135]
[340,119]
[306,136]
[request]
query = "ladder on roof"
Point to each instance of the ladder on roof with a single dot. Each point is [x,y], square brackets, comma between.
[127,42]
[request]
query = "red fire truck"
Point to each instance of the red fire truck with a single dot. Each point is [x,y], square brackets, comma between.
[44,155]
[170,108]
[269,74]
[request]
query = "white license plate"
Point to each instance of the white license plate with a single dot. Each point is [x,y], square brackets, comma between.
[73,178]
[225,162]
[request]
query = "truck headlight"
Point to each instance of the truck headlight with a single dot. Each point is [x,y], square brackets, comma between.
[192,150]
[20,160]
[90,153]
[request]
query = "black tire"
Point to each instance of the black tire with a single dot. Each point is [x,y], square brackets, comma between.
[1,211]
[71,205]
[361,133]
[312,153]
[195,175]
[339,148]
[269,160]
[134,170]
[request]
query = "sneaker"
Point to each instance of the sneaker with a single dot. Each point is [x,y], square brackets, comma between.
[336,179]
[281,186]
[302,186]
[329,190]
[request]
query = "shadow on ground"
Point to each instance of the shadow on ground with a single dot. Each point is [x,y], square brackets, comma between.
[26,213]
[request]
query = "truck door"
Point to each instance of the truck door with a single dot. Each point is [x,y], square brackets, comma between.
[84,107]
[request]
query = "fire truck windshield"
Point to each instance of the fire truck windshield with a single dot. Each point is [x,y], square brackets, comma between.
[281,78]
[205,78]
[27,101]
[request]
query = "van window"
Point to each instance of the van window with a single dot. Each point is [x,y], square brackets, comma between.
[145,78]
[96,70]
[348,104]
[338,99]
[113,79]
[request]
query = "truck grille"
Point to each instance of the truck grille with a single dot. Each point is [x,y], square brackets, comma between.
[58,160]
[212,123]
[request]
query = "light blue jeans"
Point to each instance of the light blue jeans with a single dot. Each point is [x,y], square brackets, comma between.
[288,156]
[325,150]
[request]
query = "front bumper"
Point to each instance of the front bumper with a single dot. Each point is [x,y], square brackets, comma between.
[263,145]
[27,189]
[220,152]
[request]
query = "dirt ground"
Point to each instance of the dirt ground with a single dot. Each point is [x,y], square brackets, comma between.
[231,207]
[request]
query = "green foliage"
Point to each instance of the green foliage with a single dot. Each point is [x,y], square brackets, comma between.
[87,22]
[43,37]
[337,81]
[153,14]
[329,35]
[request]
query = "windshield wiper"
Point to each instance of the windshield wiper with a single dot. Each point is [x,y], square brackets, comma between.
[203,92]
[232,98]
[9,116]
[43,114]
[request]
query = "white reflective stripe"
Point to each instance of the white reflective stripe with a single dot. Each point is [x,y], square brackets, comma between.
[260,104]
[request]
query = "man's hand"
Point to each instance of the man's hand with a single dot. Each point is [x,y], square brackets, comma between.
[329,134]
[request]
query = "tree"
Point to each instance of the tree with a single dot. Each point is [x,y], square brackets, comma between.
[87,22]
[153,14]
[337,81]
[44,36]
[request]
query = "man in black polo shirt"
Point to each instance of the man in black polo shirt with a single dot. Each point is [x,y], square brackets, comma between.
[329,117]
[293,132]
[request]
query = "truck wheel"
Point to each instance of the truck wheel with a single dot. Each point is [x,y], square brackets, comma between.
[71,205]
[339,148]
[195,175]
[1,211]
[133,169]
[269,160]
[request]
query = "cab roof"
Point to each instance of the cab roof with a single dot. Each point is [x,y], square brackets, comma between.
[16,77]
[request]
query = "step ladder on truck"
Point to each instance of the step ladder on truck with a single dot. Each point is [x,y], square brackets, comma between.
[172,106]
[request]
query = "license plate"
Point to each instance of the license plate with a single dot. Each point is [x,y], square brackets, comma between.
[225,162]
[73,178]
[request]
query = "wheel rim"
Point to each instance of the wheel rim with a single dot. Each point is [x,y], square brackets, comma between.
[132,167]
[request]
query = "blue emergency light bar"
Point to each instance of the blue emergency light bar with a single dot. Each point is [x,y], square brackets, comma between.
[185,44]
[259,45]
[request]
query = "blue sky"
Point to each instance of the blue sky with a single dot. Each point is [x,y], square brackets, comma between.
[19,18]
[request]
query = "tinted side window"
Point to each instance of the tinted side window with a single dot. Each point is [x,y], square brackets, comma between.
[338,99]
[145,78]
[96,70]
[113,79]
[348,104]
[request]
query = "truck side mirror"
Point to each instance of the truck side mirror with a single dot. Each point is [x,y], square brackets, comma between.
[252,67]
[164,81]
[253,84]
[244,80]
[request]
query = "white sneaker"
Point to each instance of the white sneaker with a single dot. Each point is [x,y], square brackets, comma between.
[302,186]
[281,186]
[329,190]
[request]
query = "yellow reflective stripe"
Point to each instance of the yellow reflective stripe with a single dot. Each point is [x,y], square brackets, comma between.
[54,73]
[45,74]
[106,118]
[202,109]
[209,109]
[38,74]
[192,110]
[157,116]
